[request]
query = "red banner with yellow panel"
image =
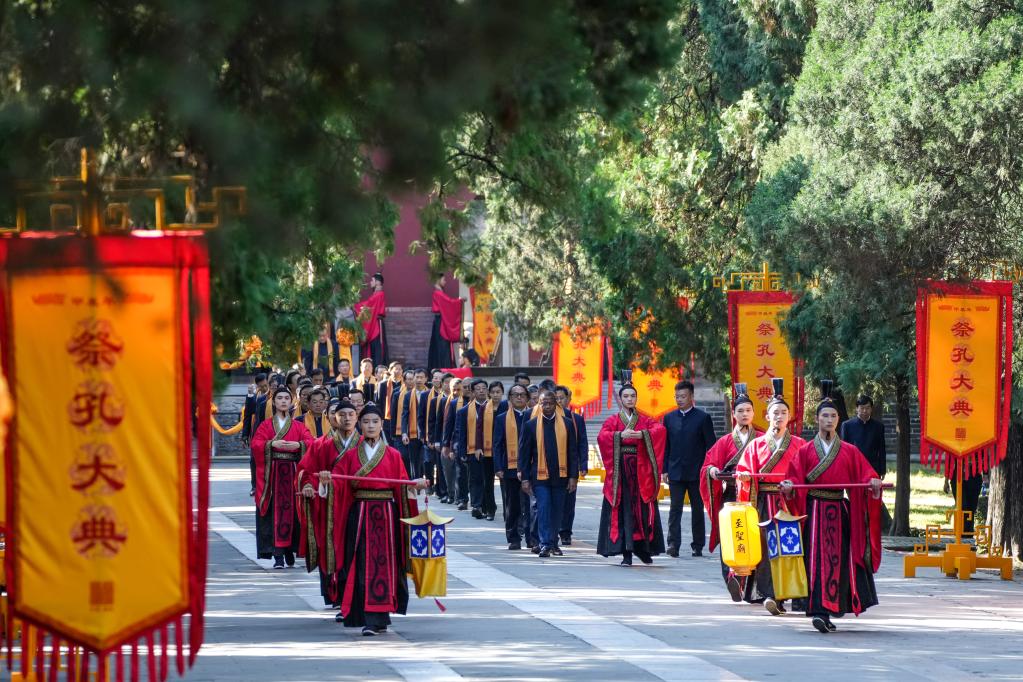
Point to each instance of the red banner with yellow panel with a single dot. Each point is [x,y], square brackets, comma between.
[107,345]
[758,352]
[485,331]
[578,356]
[964,374]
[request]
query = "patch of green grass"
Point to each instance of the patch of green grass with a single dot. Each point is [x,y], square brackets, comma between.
[927,500]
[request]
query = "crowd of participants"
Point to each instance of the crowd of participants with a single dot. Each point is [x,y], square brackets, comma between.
[337,461]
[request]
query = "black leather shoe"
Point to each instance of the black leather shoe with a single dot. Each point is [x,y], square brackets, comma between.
[278,561]
[734,589]
[644,557]
[821,625]
[462,506]
[490,517]
[476,513]
[535,549]
[673,552]
[338,618]
[566,541]
[289,559]
[626,562]
[514,546]
[544,553]
[696,552]
[556,551]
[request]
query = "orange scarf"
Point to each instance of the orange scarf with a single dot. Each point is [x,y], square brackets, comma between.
[430,400]
[360,383]
[488,429]
[413,414]
[401,410]
[309,419]
[561,436]
[537,412]
[387,399]
[511,439]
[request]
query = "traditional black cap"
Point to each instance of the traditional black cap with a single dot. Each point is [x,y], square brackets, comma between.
[345,405]
[740,396]
[827,385]
[779,392]
[371,408]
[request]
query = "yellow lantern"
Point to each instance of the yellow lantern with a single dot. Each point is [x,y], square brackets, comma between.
[740,537]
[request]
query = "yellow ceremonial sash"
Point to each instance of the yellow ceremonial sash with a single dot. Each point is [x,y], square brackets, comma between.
[360,383]
[401,410]
[430,400]
[488,429]
[561,435]
[387,399]
[413,414]
[309,419]
[330,355]
[511,439]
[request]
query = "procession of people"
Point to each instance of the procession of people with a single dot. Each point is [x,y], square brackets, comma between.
[338,459]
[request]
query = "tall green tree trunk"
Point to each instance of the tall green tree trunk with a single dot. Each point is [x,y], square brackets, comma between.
[900,519]
[1005,501]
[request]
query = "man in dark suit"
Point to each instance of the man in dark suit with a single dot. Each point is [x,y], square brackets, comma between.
[551,474]
[867,434]
[564,396]
[690,435]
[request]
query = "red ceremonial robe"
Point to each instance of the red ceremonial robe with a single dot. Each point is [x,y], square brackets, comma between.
[377,304]
[276,476]
[649,464]
[314,512]
[368,537]
[723,455]
[450,310]
[822,537]
[763,456]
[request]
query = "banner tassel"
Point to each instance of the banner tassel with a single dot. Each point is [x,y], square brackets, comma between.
[26,637]
[54,658]
[151,659]
[119,664]
[84,674]
[40,654]
[135,661]
[180,655]
[101,668]
[164,632]
[439,605]
[72,663]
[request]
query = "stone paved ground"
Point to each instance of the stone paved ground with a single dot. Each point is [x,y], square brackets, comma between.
[512,616]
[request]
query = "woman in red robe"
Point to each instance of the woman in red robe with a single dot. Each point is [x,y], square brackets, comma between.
[840,548]
[447,327]
[721,460]
[368,538]
[765,464]
[277,446]
[632,448]
[371,312]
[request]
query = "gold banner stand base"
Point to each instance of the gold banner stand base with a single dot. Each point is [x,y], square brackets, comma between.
[958,559]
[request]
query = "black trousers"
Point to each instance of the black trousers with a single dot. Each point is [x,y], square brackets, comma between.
[414,458]
[511,505]
[481,484]
[678,491]
[462,471]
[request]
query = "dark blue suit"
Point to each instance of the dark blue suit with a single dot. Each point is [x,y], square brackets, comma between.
[689,436]
[435,430]
[414,449]
[550,493]
[582,447]
[518,520]
[459,470]
[481,470]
